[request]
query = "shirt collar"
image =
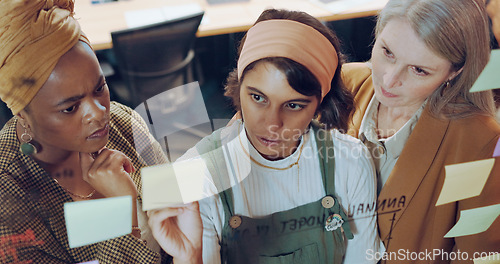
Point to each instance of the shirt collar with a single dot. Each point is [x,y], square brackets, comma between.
[395,143]
[368,127]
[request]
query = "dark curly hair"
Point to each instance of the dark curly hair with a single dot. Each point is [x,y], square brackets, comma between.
[337,106]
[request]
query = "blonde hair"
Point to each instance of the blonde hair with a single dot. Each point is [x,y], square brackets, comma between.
[459,32]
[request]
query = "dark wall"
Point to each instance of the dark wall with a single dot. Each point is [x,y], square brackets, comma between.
[357,37]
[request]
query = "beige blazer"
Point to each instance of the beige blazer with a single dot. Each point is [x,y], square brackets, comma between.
[408,219]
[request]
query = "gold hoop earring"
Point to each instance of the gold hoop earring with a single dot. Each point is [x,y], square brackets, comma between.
[27,148]
[444,87]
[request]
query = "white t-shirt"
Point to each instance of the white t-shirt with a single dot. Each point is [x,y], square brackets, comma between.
[266,191]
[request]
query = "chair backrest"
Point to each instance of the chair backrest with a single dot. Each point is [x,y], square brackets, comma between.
[5,114]
[154,58]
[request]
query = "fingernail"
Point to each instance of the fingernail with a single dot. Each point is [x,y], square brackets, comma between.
[99,151]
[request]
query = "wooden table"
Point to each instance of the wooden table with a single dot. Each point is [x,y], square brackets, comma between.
[99,20]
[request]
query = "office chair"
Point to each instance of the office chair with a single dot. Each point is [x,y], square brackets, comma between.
[5,114]
[154,58]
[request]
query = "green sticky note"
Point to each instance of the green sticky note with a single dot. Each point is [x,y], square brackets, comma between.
[89,222]
[488,259]
[474,221]
[490,77]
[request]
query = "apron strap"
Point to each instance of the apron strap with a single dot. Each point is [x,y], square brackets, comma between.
[210,149]
[324,144]
[327,164]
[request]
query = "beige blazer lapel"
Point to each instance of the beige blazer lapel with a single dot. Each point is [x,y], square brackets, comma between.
[411,168]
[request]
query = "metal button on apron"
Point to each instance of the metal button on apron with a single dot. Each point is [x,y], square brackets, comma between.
[327,202]
[234,221]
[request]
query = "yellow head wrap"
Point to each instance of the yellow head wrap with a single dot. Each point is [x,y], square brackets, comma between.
[34,34]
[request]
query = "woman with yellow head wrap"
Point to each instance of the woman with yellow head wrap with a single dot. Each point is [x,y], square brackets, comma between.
[66,142]
[34,35]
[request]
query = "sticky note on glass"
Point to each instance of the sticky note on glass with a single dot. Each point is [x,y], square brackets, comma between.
[474,221]
[176,183]
[489,77]
[194,179]
[464,180]
[159,187]
[496,153]
[490,259]
[89,222]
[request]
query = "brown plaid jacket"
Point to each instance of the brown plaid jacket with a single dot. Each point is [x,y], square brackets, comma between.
[32,226]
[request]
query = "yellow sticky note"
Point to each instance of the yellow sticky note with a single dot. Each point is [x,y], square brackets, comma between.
[180,182]
[464,180]
[190,180]
[190,175]
[489,77]
[159,187]
[474,221]
[89,222]
[490,259]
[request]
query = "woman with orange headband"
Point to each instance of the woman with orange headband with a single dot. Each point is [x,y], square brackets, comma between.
[66,142]
[295,183]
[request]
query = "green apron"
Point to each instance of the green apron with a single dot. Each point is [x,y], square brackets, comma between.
[298,235]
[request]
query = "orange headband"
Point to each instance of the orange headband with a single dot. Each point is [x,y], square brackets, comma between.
[293,40]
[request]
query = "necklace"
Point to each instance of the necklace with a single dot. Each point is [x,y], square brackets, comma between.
[274,168]
[84,197]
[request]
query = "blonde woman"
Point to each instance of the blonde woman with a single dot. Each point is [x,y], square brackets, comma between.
[416,115]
